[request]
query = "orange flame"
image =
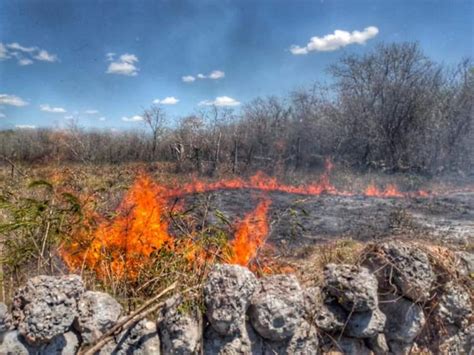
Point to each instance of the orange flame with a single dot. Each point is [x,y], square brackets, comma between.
[250,235]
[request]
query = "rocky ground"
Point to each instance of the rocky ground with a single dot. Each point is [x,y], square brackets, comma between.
[298,220]
[399,299]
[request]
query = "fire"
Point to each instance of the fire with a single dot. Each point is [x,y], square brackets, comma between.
[250,235]
[130,242]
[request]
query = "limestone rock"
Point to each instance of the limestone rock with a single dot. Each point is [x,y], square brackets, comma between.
[244,341]
[14,344]
[46,307]
[405,319]
[98,312]
[227,294]
[466,260]
[303,342]
[406,266]
[141,339]
[352,346]
[378,344]
[454,305]
[354,287]
[365,324]
[66,344]
[277,309]
[180,331]
[330,317]
[5,318]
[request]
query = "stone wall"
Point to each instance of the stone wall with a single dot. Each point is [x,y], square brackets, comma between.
[396,301]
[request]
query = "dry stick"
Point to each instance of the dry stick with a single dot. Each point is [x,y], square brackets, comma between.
[130,319]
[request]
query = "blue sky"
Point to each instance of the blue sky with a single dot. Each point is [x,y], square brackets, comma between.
[68,59]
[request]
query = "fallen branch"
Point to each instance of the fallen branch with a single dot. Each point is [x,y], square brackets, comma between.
[128,321]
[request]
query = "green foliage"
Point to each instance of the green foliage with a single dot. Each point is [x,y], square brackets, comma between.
[34,226]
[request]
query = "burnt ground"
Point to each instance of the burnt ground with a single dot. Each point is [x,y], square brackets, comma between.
[298,221]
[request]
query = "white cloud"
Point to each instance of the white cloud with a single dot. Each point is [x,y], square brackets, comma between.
[124,65]
[19,47]
[25,126]
[216,74]
[102,118]
[12,100]
[336,40]
[220,101]
[69,117]
[110,56]
[25,55]
[3,52]
[25,61]
[171,100]
[44,56]
[135,118]
[2,115]
[91,112]
[188,78]
[48,108]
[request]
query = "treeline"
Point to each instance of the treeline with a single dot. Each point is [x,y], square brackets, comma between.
[393,109]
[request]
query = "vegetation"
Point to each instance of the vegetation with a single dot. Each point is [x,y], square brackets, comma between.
[392,110]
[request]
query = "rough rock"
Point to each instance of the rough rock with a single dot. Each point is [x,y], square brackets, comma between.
[303,342]
[330,317]
[227,294]
[141,339]
[454,305]
[365,324]
[277,309]
[353,286]
[406,266]
[14,343]
[180,331]
[460,343]
[98,312]
[405,319]
[352,346]
[67,343]
[5,318]
[46,307]
[466,260]
[378,344]
[244,341]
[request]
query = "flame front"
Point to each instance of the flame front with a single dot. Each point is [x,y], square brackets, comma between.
[250,235]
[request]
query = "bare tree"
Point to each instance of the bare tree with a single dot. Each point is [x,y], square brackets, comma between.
[155,119]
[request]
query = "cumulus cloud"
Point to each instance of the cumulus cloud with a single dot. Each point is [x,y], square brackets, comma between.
[336,40]
[135,118]
[25,126]
[171,100]
[48,108]
[44,56]
[214,75]
[25,55]
[188,78]
[220,101]
[91,112]
[12,100]
[123,65]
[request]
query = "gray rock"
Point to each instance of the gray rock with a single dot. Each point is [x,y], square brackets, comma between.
[405,266]
[66,344]
[352,346]
[400,348]
[405,319]
[227,294]
[141,339]
[244,341]
[277,309]
[98,312]
[454,305]
[353,286]
[180,331]
[303,342]
[330,317]
[14,344]
[466,260]
[378,344]
[46,307]
[365,324]
[460,343]
[5,318]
